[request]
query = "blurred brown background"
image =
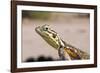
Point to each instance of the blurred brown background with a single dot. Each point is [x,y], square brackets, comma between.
[72,27]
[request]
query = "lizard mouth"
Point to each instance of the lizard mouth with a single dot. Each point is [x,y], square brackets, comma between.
[38,30]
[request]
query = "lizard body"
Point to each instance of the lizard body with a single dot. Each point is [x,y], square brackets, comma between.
[65,51]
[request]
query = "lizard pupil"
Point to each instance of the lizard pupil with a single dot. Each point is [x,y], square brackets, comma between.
[46,29]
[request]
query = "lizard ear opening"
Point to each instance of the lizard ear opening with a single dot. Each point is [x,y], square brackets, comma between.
[54,35]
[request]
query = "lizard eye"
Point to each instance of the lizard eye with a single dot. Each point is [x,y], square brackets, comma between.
[46,29]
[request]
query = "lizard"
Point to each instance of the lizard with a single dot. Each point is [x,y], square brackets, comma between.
[65,50]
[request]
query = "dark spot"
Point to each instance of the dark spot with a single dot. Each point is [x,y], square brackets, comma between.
[54,35]
[46,28]
[30,60]
[41,58]
[49,59]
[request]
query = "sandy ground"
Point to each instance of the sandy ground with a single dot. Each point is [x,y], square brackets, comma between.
[73,30]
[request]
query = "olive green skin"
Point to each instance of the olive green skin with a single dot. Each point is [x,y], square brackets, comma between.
[73,52]
[46,37]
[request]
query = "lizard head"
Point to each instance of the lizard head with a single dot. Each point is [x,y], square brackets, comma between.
[49,35]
